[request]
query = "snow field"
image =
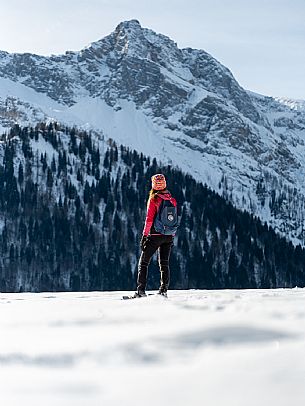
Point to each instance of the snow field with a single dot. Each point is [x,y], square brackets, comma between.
[198,347]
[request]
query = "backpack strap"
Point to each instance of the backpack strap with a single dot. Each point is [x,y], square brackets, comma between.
[171,199]
[163,196]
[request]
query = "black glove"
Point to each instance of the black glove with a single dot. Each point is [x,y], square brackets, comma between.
[143,242]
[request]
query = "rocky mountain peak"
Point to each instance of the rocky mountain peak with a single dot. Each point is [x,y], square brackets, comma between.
[129,37]
[129,25]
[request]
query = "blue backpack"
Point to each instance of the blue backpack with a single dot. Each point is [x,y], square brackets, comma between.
[166,221]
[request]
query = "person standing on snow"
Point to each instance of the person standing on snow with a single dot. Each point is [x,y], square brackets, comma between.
[160,226]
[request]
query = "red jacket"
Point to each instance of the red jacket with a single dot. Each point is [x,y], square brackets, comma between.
[152,209]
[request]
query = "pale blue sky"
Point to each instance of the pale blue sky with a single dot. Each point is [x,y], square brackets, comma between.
[261,41]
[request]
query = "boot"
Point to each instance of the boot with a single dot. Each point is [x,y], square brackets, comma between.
[162,291]
[140,293]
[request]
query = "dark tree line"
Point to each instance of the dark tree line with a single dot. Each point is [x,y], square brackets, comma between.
[72,211]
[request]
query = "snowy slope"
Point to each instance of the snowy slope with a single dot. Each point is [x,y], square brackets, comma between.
[179,105]
[230,348]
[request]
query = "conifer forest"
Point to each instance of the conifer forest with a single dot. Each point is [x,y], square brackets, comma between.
[72,210]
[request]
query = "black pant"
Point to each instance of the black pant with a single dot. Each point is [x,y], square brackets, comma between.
[162,243]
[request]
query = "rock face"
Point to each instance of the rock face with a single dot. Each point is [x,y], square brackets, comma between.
[179,105]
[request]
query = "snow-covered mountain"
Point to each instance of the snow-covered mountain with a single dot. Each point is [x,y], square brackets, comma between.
[179,105]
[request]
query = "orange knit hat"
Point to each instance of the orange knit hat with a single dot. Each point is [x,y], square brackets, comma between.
[158,181]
